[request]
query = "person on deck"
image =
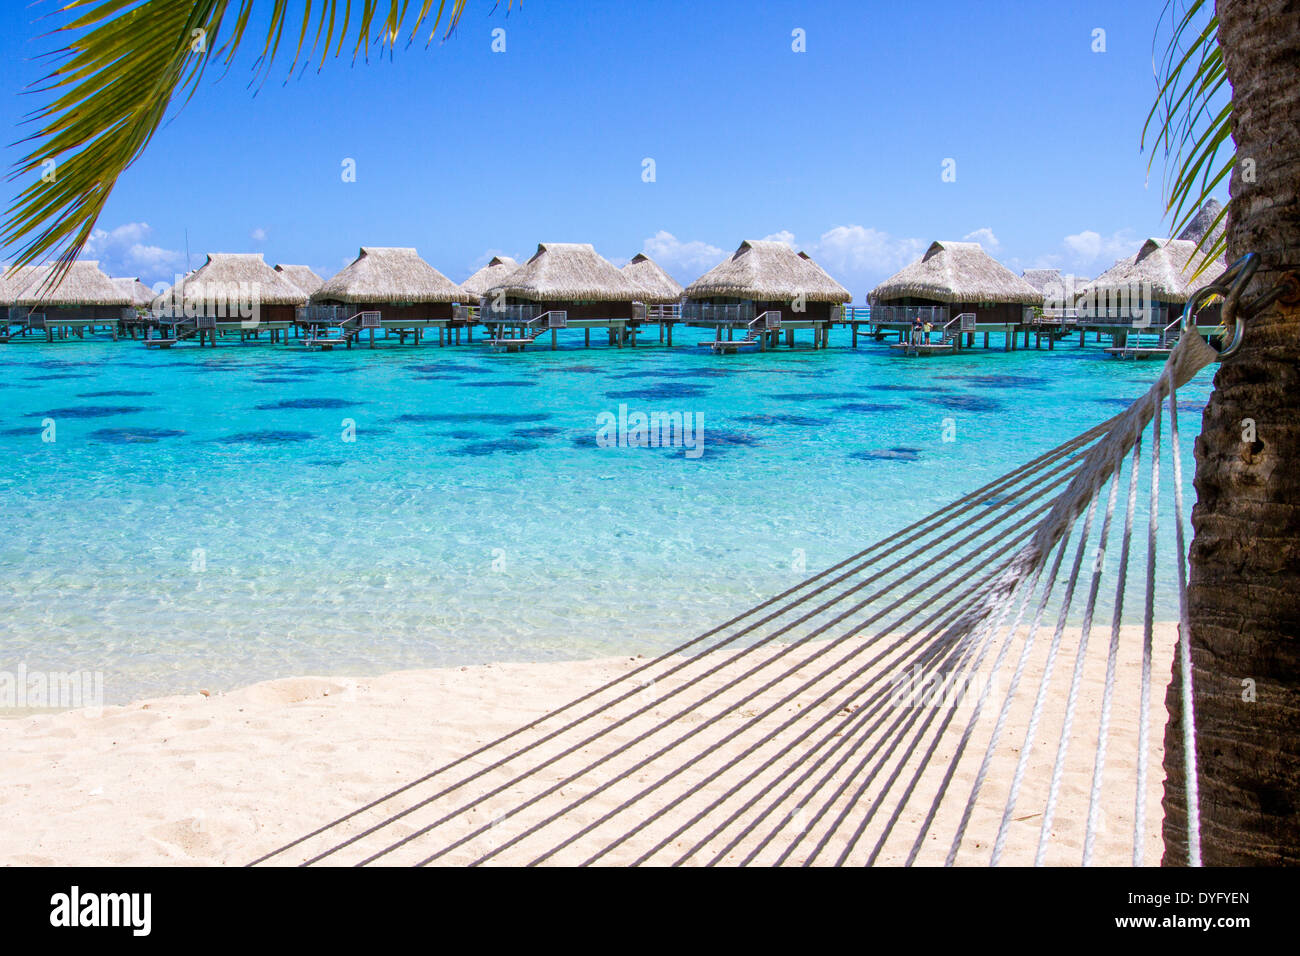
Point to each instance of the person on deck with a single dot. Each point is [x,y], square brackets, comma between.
[916,330]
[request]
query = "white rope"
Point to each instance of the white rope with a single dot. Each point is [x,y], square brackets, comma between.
[969,731]
[1148,630]
[1076,680]
[1005,710]
[1040,699]
[1112,654]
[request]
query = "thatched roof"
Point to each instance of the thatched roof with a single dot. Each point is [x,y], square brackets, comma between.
[141,295]
[766,271]
[1165,266]
[1055,287]
[568,272]
[82,285]
[957,272]
[490,276]
[301,276]
[382,274]
[657,287]
[225,275]
[1201,223]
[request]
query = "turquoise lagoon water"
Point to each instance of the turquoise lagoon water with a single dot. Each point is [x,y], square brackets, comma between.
[200,520]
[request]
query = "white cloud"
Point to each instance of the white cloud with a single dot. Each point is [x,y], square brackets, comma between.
[862,252]
[984,236]
[685,261]
[1091,248]
[856,256]
[123,252]
[258,235]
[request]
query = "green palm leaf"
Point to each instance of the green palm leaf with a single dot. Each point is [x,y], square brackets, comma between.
[1191,77]
[121,64]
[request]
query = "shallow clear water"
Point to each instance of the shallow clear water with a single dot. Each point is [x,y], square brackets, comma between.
[201,519]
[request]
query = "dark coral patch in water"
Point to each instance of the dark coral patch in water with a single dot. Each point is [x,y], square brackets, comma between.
[965,403]
[999,381]
[506,445]
[328,462]
[462,435]
[668,390]
[907,388]
[89,411]
[507,383]
[271,437]
[29,430]
[815,396]
[505,418]
[541,431]
[887,454]
[134,436]
[58,377]
[677,373]
[801,421]
[296,403]
[867,407]
[729,439]
[114,393]
[448,368]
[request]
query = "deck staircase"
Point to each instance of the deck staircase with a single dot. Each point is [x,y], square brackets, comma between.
[965,322]
[531,330]
[756,328]
[327,336]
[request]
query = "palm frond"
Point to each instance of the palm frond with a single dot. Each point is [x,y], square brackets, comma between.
[1188,129]
[121,64]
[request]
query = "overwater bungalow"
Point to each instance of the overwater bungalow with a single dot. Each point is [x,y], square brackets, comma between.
[564,285]
[84,300]
[301,276]
[661,294]
[140,294]
[230,293]
[957,288]
[391,290]
[1148,289]
[656,286]
[762,288]
[489,277]
[1059,291]
[136,317]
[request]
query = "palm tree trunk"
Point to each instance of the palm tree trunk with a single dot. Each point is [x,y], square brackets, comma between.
[1244,597]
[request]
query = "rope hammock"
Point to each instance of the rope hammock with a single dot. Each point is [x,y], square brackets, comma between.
[874,712]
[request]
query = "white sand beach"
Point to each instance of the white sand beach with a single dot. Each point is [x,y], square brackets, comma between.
[226,778]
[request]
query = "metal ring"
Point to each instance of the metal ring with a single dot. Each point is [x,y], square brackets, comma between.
[1229,287]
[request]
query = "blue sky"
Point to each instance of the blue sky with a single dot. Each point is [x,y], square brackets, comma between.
[464,152]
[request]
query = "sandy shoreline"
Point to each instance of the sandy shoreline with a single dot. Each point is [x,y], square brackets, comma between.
[222,780]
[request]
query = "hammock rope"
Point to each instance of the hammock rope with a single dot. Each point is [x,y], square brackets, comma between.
[781,734]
